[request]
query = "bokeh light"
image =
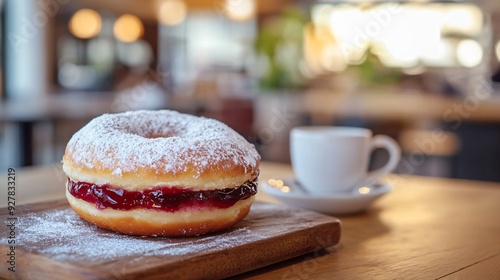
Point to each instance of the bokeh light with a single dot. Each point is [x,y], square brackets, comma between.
[85,24]
[497,50]
[469,53]
[128,28]
[172,12]
[240,10]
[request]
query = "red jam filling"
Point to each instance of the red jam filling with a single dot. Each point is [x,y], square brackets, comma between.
[168,199]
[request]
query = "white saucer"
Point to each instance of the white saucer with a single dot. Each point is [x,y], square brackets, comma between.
[289,192]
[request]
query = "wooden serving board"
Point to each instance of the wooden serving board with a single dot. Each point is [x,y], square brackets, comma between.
[52,242]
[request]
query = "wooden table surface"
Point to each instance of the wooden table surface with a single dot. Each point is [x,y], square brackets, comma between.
[427,228]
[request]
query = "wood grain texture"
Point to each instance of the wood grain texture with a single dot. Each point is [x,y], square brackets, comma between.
[274,233]
[488,268]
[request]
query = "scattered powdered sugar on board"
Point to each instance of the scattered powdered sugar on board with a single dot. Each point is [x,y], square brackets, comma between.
[165,140]
[53,242]
[61,235]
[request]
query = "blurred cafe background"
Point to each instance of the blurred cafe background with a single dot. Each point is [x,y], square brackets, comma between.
[424,72]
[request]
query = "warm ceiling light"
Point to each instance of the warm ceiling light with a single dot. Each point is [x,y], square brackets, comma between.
[240,10]
[469,53]
[85,24]
[172,12]
[128,28]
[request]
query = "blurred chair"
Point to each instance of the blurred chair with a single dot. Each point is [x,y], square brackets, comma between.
[479,158]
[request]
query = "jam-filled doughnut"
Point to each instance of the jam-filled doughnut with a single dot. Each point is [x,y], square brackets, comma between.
[160,173]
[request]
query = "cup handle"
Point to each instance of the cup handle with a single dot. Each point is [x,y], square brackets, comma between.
[386,142]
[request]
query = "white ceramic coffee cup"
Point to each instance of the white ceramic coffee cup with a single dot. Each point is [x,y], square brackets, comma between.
[335,159]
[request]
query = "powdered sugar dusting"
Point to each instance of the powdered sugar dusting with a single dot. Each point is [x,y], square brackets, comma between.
[57,237]
[165,140]
[61,235]
[117,172]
